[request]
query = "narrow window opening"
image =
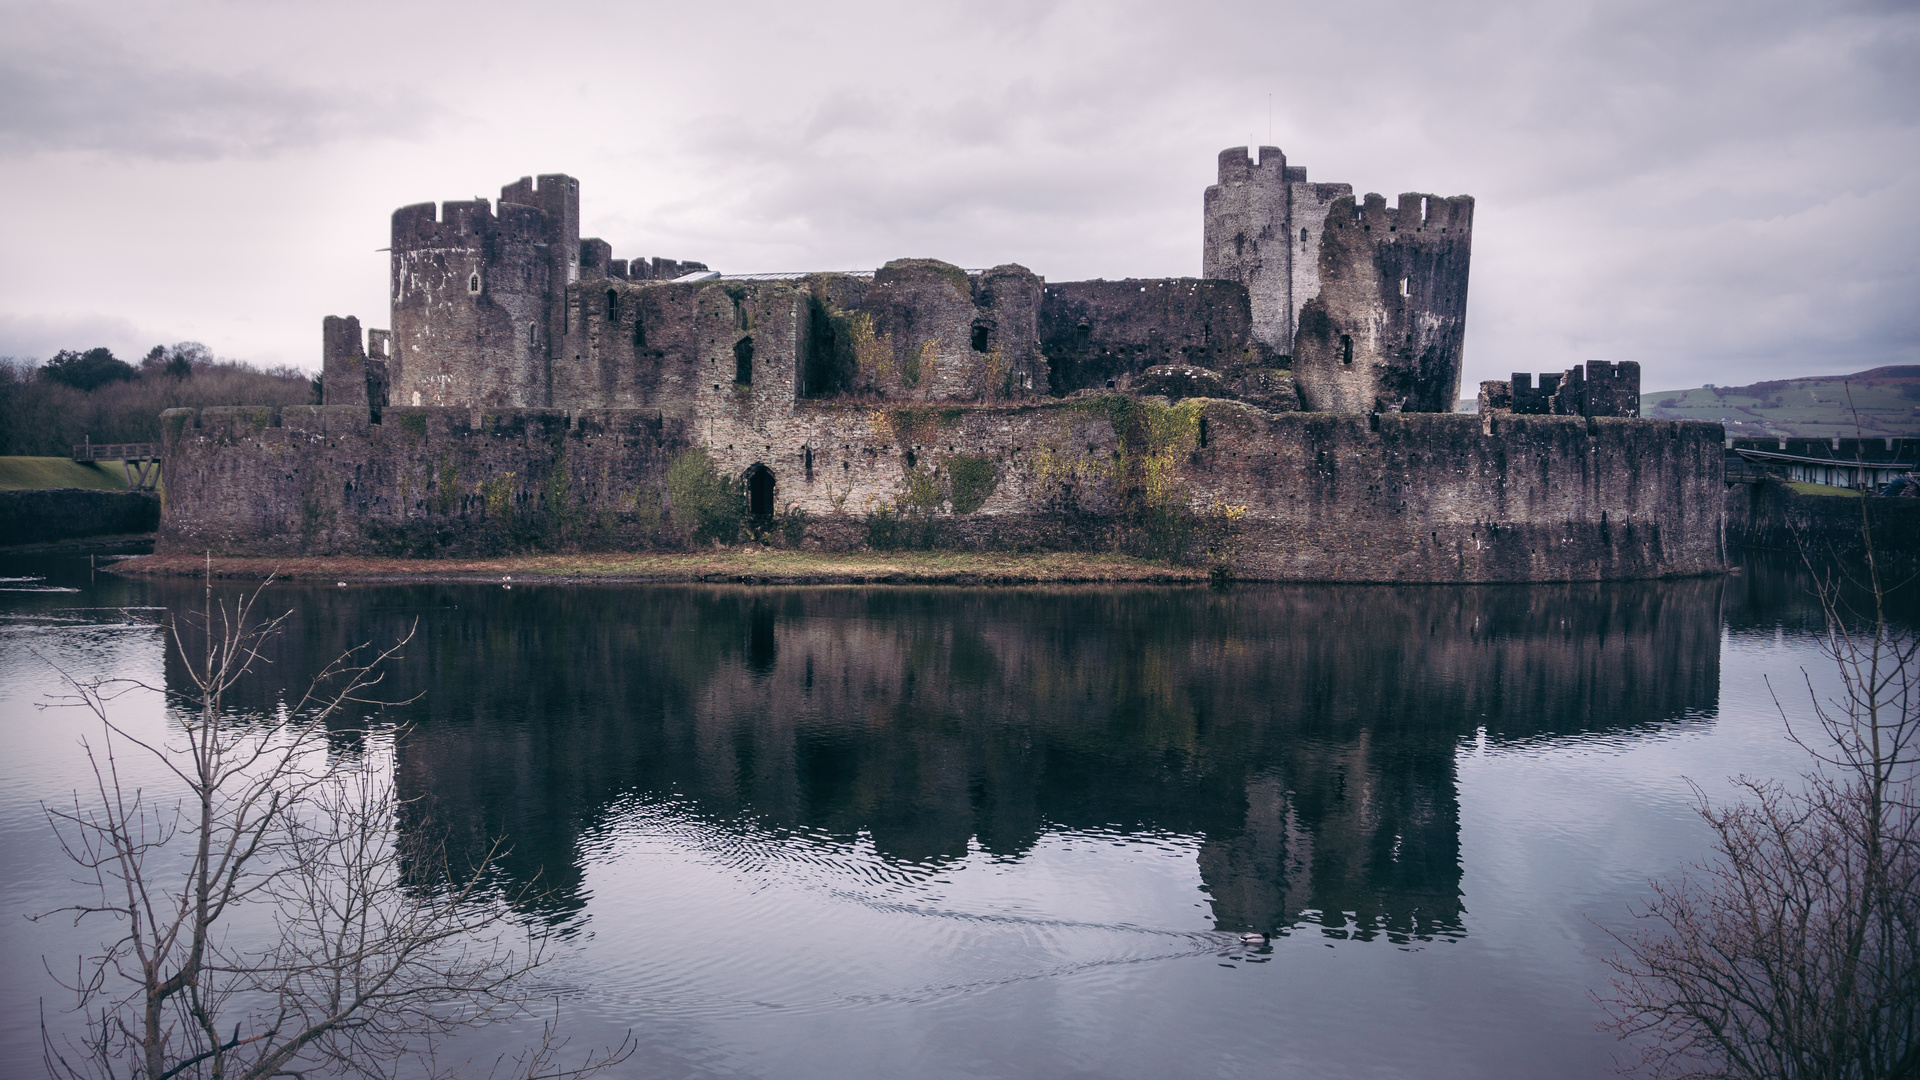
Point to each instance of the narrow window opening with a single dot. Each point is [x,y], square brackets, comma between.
[1203,433]
[1423,209]
[979,339]
[912,459]
[613,305]
[473,283]
[639,333]
[1346,348]
[743,362]
[1404,291]
[533,333]
[807,452]
[1303,236]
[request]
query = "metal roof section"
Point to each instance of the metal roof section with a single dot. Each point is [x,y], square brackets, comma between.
[1805,459]
[795,275]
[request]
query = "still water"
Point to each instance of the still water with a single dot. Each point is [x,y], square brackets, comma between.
[875,832]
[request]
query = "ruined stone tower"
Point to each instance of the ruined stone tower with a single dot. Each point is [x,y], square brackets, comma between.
[480,298]
[1369,300]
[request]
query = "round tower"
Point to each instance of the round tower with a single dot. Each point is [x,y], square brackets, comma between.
[1246,239]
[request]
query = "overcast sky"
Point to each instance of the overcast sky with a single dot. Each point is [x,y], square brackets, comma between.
[1720,191]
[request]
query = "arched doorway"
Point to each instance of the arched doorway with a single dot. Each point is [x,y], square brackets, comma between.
[760,491]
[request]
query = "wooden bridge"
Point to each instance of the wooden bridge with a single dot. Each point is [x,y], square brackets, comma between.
[140,461]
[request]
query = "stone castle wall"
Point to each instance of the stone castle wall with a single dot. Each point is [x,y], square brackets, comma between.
[541,390]
[325,479]
[1368,300]
[1312,497]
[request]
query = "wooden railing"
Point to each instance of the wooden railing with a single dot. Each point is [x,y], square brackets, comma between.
[129,451]
[140,461]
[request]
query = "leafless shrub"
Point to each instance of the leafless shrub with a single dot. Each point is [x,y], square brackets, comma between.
[1795,950]
[265,924]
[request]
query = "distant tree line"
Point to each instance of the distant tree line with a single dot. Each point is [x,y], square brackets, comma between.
[45,408]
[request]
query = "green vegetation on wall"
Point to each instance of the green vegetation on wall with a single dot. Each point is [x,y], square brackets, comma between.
[843,353]
[1156,515]
[971,480]
[706,506]
[910,426]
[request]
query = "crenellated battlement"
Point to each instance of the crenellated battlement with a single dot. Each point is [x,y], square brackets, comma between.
[1414,211]
[1600,388]
[1238,166]
[458,224]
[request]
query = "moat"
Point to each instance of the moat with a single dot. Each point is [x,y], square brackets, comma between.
[873,831]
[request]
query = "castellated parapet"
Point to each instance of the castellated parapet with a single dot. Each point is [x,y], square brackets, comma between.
[1599,388]
[1368,301]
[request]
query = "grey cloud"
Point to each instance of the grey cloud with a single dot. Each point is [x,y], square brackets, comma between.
[1718,189]
[38,337]
[72,86]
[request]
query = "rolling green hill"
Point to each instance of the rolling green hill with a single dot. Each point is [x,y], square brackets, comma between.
[1886,402]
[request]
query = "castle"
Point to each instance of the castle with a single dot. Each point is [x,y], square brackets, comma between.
[1364,308]
[1298,396]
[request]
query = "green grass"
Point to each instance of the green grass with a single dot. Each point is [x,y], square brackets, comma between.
[1822,489]
[20,473]
[1814,408]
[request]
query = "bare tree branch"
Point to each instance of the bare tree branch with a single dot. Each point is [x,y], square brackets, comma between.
[1795,950]
[265,924]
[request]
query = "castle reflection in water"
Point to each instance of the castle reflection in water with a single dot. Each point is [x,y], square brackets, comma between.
[1305,735]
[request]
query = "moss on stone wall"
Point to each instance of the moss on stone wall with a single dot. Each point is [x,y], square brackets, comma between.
[1156,517]
[919,357]
[910,426]
[496,496]
[971,480]
[562,519]
[447,491]
[954,276]
[844,355]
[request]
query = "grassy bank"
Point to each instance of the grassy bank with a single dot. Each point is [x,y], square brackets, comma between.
[26,473]
[1822,489]
[758,565]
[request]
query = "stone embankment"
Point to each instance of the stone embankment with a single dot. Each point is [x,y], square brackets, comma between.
[1771,516]
[47,515]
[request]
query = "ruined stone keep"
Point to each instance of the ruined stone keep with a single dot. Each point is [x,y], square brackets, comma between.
[1297,399]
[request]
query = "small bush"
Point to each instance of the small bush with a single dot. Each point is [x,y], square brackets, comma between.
[793,527]
[706,506]
[896,529]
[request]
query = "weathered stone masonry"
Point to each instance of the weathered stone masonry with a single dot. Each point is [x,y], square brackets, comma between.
[1327,497]
[1296,399]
